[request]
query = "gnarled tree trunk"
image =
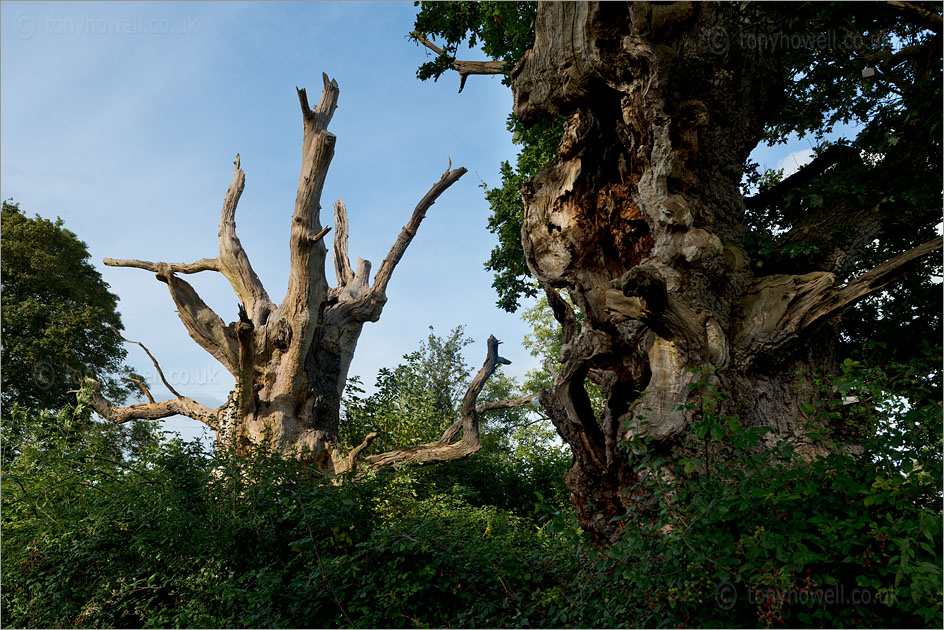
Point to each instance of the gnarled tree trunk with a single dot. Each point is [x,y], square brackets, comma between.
[291,360]
[639,219]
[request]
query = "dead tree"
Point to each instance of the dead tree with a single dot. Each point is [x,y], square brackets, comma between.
[290,360]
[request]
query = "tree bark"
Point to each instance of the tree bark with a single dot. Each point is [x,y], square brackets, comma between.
[639,219]
[291,360]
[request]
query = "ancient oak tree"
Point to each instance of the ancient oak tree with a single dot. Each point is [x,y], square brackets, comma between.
[641,220]
[290,360]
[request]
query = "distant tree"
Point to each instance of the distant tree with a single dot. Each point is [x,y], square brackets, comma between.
[59,320]
[418,400]
[421,397]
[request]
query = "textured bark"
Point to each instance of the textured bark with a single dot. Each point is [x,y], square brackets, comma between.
[291,360]
[639,219]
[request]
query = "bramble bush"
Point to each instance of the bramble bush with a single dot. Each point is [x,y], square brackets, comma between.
[171,535]
[159,532]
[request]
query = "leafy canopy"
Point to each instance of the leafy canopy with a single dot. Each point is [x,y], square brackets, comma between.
[56,314]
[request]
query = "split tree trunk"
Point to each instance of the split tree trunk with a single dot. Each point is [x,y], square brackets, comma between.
[639,220]
[291,360]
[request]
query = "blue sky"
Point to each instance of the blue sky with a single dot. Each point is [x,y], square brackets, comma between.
[124,120]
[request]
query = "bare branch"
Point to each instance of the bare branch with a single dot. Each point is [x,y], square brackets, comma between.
[153,360]
[342,261]
[307,286]
[150,410]
[450,433]
[233,262]
[869,283]
[464,68]
[359,286]
[349,462]
[307,289]
[204,264]
[508,403]
[409,231]
[303,101]
[140,385]
[202,323]
[320,235]
[324,110]
[444,449]
[782,308]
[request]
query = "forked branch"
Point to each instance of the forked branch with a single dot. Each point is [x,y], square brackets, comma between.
[202,323]
[464,68]
[352,286]
[307,287]
[204,264]
[348,463]
[182,406]
[445,449]
[151,410]
[233,261]
[141,386]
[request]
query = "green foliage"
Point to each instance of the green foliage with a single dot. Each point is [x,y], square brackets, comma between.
[172,536]
[166,534]
[538,144]
[892,121]
[415,402]
[504,30]
[56,314]
[762,538]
